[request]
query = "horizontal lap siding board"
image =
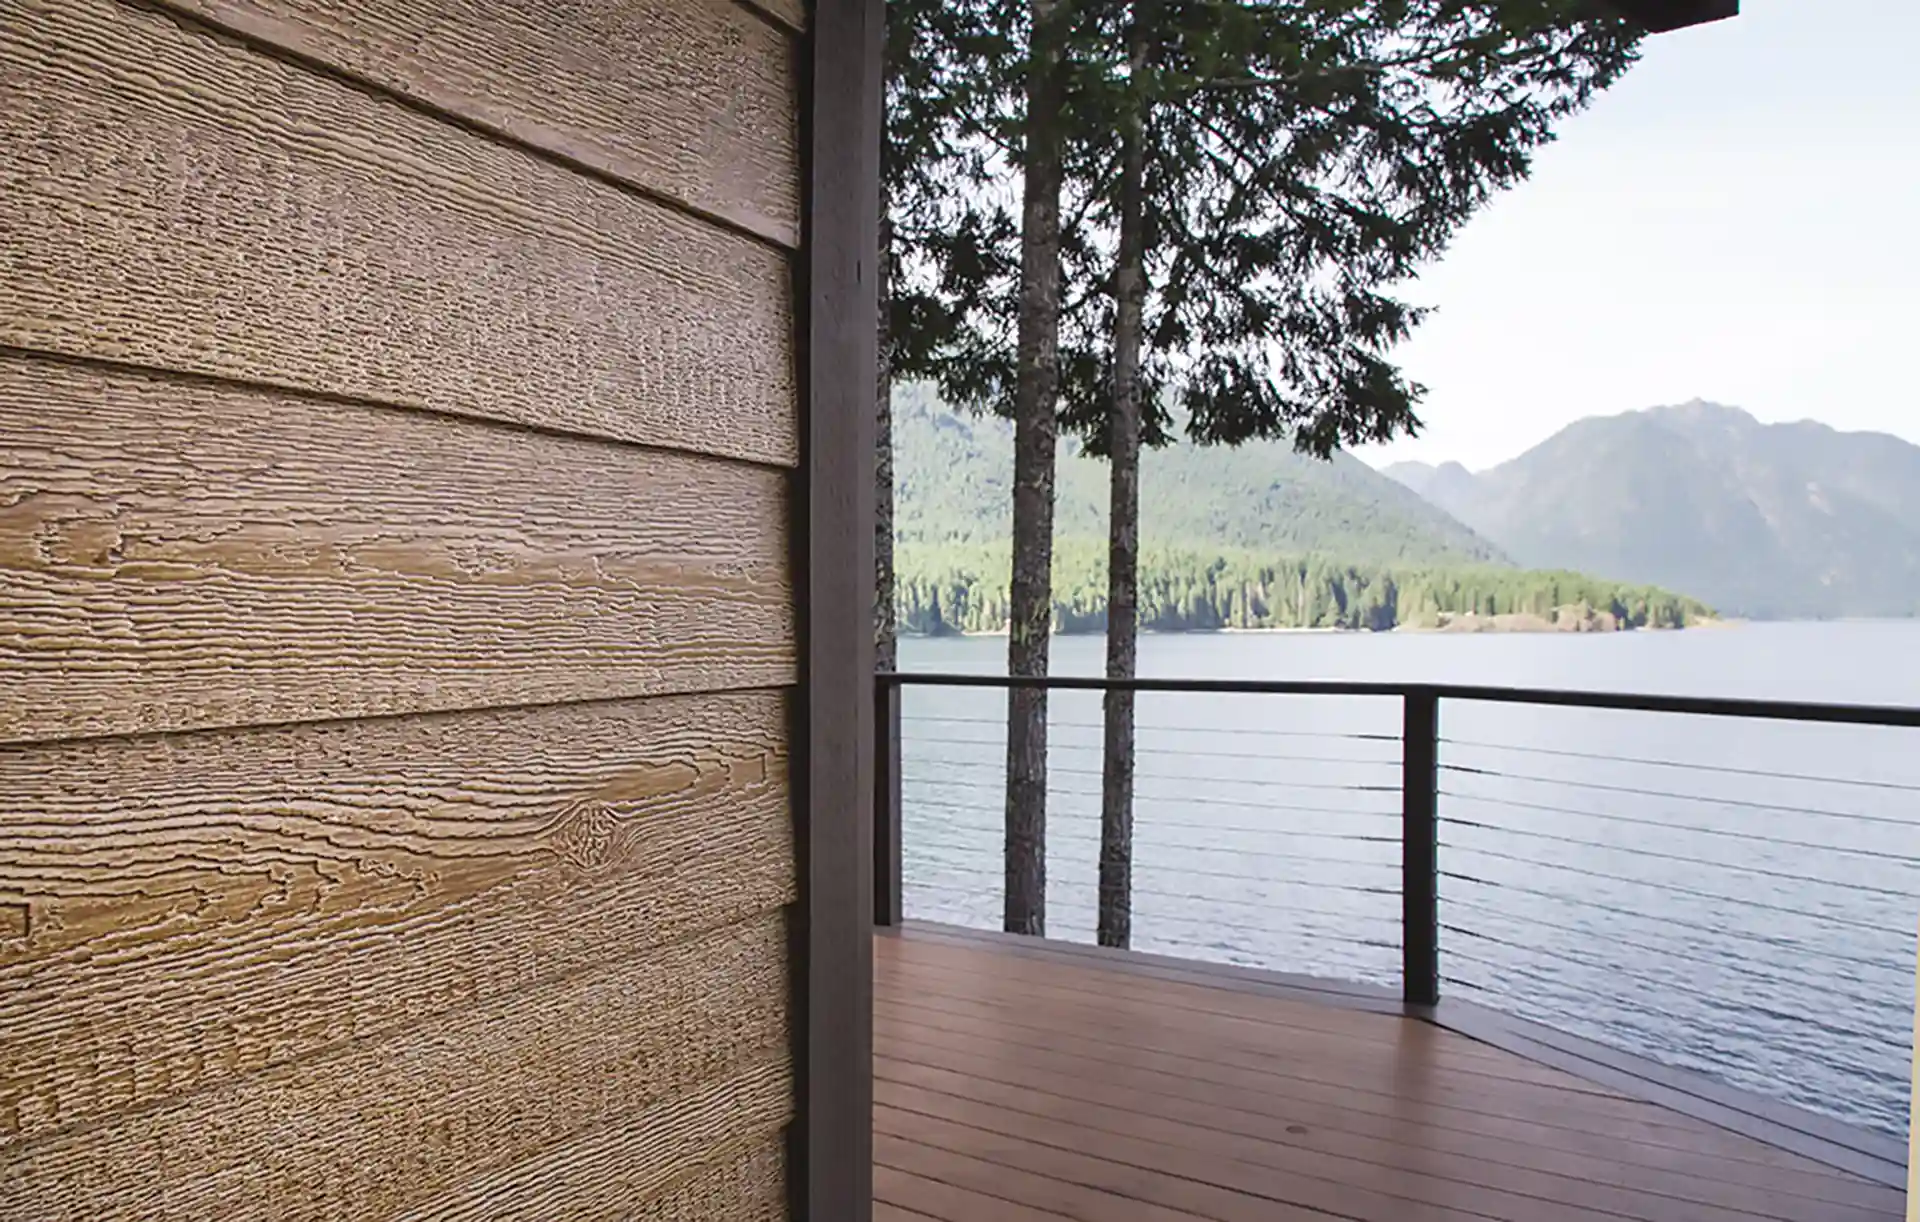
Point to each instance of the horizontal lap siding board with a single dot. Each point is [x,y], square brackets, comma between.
[695,100]
[398,633]
[634,1059]
[179,554]
[200,907]
[176,199]
[745,1181]
[606,1175]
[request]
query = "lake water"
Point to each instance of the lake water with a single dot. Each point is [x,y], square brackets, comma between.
[1733,897]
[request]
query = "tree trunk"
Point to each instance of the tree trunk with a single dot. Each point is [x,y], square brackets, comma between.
[886,656]
[1123,544]
[1035,432]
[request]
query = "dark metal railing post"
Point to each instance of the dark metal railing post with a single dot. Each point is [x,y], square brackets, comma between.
[886,801]
[1420,847]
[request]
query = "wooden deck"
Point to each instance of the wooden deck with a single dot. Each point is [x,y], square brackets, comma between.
[1031,1083]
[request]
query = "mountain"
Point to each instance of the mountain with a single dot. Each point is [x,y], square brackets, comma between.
[953,475]
[1438,485]
[1769,521]
[1254,537]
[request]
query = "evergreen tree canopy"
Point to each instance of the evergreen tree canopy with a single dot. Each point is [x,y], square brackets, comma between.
[1305,158]
[962,588]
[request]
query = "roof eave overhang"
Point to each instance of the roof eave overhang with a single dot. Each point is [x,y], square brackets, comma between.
[1662,16]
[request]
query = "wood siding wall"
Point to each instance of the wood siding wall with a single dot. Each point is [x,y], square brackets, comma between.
[399,415]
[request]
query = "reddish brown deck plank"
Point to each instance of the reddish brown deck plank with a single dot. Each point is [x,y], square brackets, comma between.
[1033,1089]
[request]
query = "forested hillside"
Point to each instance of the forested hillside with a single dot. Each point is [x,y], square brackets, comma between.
[952,476]
[963,588]
[1258,537]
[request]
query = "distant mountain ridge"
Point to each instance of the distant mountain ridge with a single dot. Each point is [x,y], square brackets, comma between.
[1448,481]
[1252,537]
[1764,520]
[953,482]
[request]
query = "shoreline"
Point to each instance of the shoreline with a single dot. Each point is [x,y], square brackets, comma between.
[1481,627]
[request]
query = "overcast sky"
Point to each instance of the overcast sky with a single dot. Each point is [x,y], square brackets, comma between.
[1737,220]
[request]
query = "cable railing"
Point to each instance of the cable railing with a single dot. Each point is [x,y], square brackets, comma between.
[1746,895]
[1727,887]
[1291,833]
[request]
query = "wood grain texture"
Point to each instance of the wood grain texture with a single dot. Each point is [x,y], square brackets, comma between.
[692,99]
[745,1181]
[178,555]
[201,907]
[605,1175]
[177,200]
[385,1125]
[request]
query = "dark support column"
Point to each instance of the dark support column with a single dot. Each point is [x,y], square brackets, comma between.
[1420,848]
[836,287]
[886,801]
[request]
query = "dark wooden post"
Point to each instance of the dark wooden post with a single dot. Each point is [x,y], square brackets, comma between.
[1420,848]
[830,1164]
[886,801]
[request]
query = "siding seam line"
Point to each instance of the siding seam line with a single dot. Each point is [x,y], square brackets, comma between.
[29,744]
[18,1150]
[260,44]
[19,353]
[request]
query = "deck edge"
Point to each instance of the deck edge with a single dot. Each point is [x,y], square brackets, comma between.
[1351,995]
[1860,1152]
[1864,1154]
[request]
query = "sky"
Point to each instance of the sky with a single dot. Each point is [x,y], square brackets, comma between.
[1737,220]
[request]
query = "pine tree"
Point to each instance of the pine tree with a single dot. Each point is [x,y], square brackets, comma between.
[1296,159]
[1334,148]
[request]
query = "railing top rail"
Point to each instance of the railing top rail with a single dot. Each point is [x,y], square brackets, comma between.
[1640,702]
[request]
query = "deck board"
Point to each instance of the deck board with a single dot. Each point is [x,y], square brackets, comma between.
[1035,1086]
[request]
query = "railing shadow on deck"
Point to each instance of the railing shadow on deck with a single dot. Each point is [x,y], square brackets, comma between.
[1688,915]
